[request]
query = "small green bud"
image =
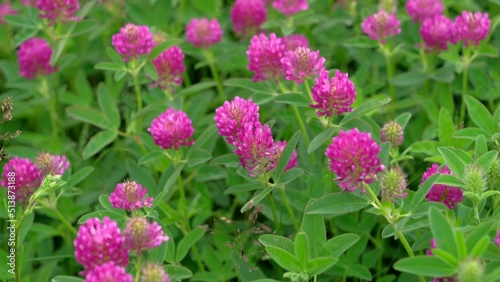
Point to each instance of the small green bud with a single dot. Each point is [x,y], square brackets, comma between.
[392,132]
[393,184]
[471,270]
[475,180]
[494,174]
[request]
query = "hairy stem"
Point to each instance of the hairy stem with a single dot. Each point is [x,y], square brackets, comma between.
[289,209]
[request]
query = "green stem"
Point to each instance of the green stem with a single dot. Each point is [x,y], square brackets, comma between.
[215,74]
[138,265]
[289,209]
[138,94]
[52,102]
[64,221]
[308,89]
[17,271]
[390,74]
[465,85]
[275,215]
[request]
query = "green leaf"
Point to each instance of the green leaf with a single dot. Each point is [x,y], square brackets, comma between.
[481,147]
[20,21]
[286,155]
[461,245]
[188,241]
[487,50]
[256,199]
[83,88]
[151,157]
[450,180]
[480,246]
[419,196]
[302,248]
[469,133]
[445,256]
[248,84]
[284,259]
[110,66]
[108,106]
[105,203]
[360,42]
[486,160]
[246,187]
[150,71]
[403,119]
[456,165]
[480,115]
[276,241]
[177,272]
[477,233]
[446,127]
[115,57]
[98,142]
[289,176]
[425,265]
[77,177]
[198,156]
[339,244]
[89,115]
[204,137]
[295,99]
[196,88]
[319,140]
[119,75]
[314,226]
[316,266]
[410,78]
[115,215]
[61,278]
[363,109]
[336,203]
[228,160]
[142,175]
[442,232]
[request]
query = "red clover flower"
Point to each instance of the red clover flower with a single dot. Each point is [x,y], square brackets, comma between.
[24,176]
[108,272]
[264,57]
[133,41]
[420,10]
[34,58]
[333,96]
[302,63]
[52,164]
[445,194]
[203,33]
[58,10]
[172,129]
[130,196]
[5,10]
[294,41]
[290,7]
[472,27]
[247,16]
[170,66]
[141,235]
[437,32]
[381,25]
[232,116]
[153,272]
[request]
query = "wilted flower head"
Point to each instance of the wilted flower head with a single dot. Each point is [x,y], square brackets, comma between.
[170,66]
[172,129]
[295,41]
[52,164]
[392,132]
[5,10]
[247,16]
[293,162]
[420,10]
[381,25]
[99,242]
[203,33]
[58,10]
[24,176]
[34,58]
[232,116]
[264,57]
[133,41]
[153,272]
[256,149]
[290,7]
[140,234]
[108,272]
[302,63]
[393,184]
[353,157]
[129,196]
[471,27]
[445,194]
[437,31]
[333,96]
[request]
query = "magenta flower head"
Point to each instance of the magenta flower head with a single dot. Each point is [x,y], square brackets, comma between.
[108,272]
[381,25]
[133,41]
[22,177]
[99,242]
[130,196]
[293,162]
[247,16]
[58,10]
[172,129]
[153,272]
[437,31]
[472,27]
[232,116]
[290,7]
[333,96]
[52,164]
[5,10]
[256,149]
[170,66]
[33,57]
[29,2]
[420,10]
[264,57]
[203,33]
[497,239]
[353,157]
[141,235]
[433,246]
[445,194]
[302,63]
[295,41]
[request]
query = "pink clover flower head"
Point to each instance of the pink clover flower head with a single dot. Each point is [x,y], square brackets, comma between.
[29,2]
[141,235]
[52,164]
[256,149]
[23,176]
[445,194]
[290,7]
[247,16]
[133,41]
[420,10]
[34,58]
[302,63]
[353,157]
[130,196]
[295,41]
[5,10]
[264,57]
[153,272]
[108,272]
[333,96]
[497,239]
[203,32]
[381,25]
[170,66]
[437,32]
[58,10]
[433,246]
[293,162]
[471,27]
[232,116]
[172,129]
[392,132]
[99,242]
